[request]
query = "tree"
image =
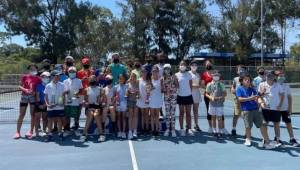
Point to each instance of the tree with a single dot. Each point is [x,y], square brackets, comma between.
[46,23]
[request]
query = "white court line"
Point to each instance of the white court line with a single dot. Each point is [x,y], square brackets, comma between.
[133,158]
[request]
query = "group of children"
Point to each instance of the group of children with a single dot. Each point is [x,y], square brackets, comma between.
[146,93]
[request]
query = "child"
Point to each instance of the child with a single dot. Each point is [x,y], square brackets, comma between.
[92,98]
[54,98]
[132,96]
[41,108]
[28,87]
[121,105]
[170,86]
[184,98]
[141,102]
[109,92]
[155,100]
[73,87]
[216,93]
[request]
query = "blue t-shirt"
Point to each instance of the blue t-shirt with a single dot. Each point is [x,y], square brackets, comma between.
[63,77]
[247,92]
[40,89]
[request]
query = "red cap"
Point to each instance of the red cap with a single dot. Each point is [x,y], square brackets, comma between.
[85,61]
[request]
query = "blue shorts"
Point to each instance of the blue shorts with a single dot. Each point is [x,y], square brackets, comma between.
[55,113]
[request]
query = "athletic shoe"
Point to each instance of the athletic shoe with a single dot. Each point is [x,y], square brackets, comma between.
[48,138]
[278,143]
[210,130]
[166,133]
[43,134]
[190,132]
[130,135]
[61,136]
[123,135]
[224,131]
[233,132]
[247,142]
[119,134]
[294,142]
[197,129]
[134,134]
[29,135]
[182,132]
[268,146]
[101,138]
[83,138]
[173,133]
[77,133]
[54,129]
[17,135]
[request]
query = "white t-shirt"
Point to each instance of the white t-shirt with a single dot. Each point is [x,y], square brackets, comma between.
[195,78]
[73,86]
[109,92]
[55,95]
[184,83]
[271,94]
[161,70]
[93,94]
[287,91]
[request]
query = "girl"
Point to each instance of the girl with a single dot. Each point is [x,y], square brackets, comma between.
[121,105]
[155,100]
[170,86]
[109,92]
[196,84]
[41,108]
[184,98]
[132,94]
[28,85]
[54,98]
[141,102]
[216,93]
[92,99]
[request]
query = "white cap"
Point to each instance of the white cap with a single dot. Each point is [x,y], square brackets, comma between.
[167,66]
[72,68]
[45,73]
[69,57]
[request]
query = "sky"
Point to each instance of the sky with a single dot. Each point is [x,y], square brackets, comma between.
[116,10]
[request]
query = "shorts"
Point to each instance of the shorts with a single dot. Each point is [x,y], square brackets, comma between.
[271,115]
[25,99]
[196,95]
[131,103]
[185,100]
[122,107]
[55,113]
[253,116]
[39,110]
[285,116]
[216,111]
[93,106]
[72,111]
[237,107]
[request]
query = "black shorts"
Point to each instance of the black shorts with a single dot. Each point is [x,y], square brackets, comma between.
[94,106]
[185,100]
[38,109]
[26,104]
[285,117]
[271,115]
[55,113]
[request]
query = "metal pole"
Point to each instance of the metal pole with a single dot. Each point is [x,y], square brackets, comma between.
[261,34]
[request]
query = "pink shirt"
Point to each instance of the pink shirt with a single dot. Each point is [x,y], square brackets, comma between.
[29,81]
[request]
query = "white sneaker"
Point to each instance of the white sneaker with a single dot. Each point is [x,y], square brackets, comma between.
[123,135]
[43,134]
[174,133]
[77,133]
[130,136]
[210,130]
[134,134]
[182,132]
[190,132]
[247,142]
[119,135]
[101,138]
[224,131]
[166,133]
[83,138]
[268,146]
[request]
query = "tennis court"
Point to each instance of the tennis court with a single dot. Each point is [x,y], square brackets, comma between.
[200,152]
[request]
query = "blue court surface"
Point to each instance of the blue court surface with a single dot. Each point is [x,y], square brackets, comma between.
[164,153]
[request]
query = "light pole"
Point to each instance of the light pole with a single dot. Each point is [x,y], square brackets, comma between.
[261,34]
